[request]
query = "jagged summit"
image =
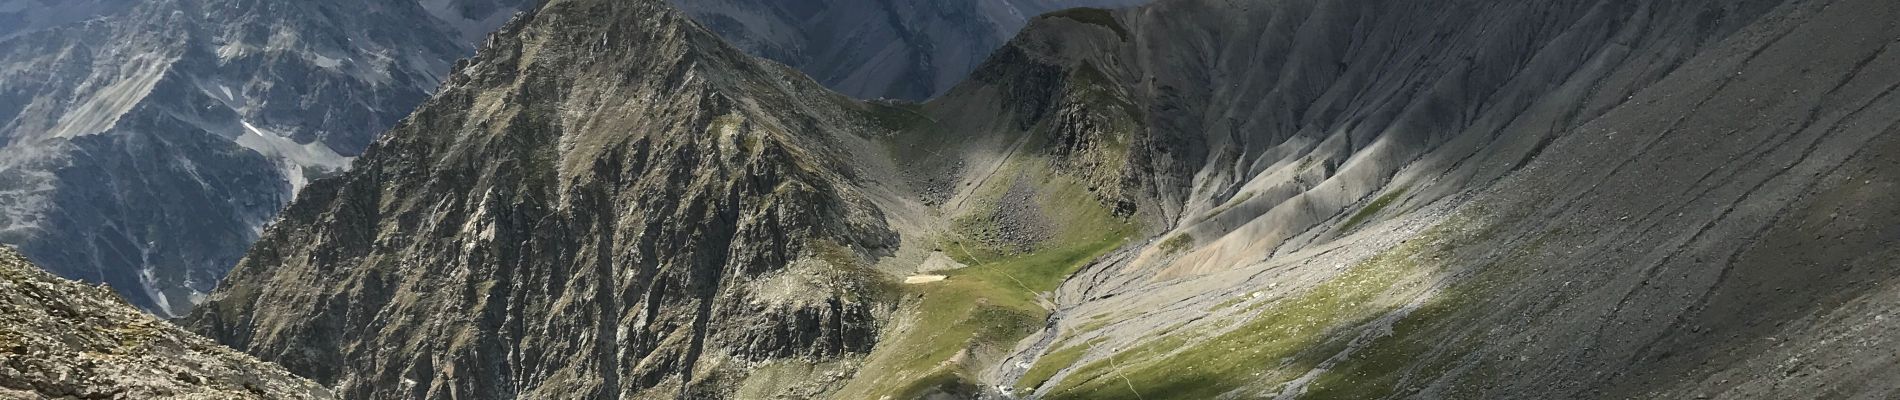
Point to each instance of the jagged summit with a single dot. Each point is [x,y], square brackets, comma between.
[908,50]
[605,202]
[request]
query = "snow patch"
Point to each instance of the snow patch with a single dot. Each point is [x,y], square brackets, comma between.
[229,97]
[325,62]
[294,159]
[148,280]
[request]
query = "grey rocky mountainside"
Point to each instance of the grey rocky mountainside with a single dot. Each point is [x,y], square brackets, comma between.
[145,144]
[897,49]
[61,339]
[1190,199]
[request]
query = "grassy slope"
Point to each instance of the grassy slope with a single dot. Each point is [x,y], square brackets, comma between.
[983,310]
[1285,339]
[1372,209]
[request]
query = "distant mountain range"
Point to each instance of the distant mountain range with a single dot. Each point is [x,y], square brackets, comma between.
[146,144]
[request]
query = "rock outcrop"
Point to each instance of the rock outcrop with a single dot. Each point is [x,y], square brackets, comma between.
[61,339]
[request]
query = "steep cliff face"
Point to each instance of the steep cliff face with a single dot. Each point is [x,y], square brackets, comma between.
[145,144]
[909,50]
[63,339]
[1190,199]
[606,202]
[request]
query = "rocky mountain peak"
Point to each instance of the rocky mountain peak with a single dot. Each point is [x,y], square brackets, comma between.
[605,169]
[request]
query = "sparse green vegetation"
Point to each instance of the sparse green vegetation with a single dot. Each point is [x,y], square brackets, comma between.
[1307,162]
[1185,367]
[845,266]
[1234,301]
[1230,204]
[1372,209]
[1415,347]
[983,309]
[1177,243]
[1049,364]
[1094,323]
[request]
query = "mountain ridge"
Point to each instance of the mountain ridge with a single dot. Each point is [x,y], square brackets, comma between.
[1324,199]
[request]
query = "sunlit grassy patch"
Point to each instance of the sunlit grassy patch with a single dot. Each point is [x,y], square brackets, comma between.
[982,310]
[1049,364]
[1263,350]
[1372,209]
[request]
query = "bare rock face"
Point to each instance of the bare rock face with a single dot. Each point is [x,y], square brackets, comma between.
[63,339]
[606,202]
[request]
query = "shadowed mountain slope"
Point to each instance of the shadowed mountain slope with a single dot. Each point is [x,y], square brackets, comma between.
[1190,199]
[1566,199]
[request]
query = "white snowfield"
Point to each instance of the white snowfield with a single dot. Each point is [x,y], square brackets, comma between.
[297,161]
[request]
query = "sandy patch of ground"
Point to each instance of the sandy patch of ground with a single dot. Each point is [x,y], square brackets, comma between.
[916,279]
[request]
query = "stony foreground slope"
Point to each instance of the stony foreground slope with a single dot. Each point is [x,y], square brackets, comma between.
[1191,199]
[63,339]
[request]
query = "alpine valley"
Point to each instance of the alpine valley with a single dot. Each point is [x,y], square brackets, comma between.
[1189,199]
